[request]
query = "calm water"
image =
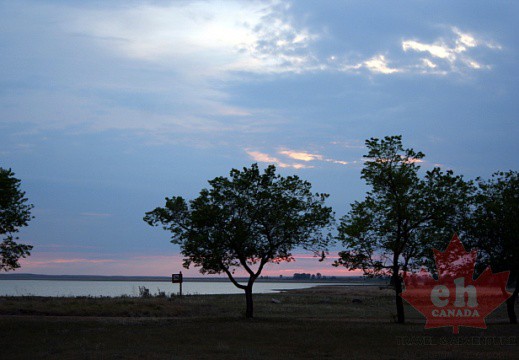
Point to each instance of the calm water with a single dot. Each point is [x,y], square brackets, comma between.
[131,288]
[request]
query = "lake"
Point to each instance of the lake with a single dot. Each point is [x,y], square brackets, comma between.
[131,288]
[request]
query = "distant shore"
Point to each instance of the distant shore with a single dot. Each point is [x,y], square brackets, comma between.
[334,279]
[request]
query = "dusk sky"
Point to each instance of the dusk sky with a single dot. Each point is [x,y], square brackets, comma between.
[107,107]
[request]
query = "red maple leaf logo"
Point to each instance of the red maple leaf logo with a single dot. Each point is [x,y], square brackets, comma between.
[455,299]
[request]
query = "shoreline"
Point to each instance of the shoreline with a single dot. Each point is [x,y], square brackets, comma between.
[167,279]
[311,289]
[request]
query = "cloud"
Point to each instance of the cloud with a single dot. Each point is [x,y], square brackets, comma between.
[90,264]
[428,63]
[49,262]
[294,155]
[341,162]
[205,37]
[166,72]
[415,161]
[379,64]
[88,261]
[159,71]
[306,156]
[266,158]
[132,264]
[439,51]
[449,55]
[301,155]
[445,56]
[383,160]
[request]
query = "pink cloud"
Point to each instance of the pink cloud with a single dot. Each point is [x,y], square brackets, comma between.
[160,265]
[266,158]
[88,261]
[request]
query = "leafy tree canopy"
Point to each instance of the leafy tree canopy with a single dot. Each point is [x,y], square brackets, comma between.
[15,213]
[403,215]
[246,221]
[494,228]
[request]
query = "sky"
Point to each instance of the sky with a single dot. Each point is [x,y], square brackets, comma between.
[106,108]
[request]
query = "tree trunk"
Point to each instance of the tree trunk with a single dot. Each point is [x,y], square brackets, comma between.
[397,283]
[510,303]
[248,297]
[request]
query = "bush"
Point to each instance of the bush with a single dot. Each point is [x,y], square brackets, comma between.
[144,292]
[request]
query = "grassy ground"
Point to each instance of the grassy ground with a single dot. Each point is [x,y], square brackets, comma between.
[319,323]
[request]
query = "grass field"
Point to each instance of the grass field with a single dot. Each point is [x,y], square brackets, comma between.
[318,323]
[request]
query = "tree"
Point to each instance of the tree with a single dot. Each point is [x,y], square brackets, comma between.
[246,221]
[403,215]
[15,213]
[495,228]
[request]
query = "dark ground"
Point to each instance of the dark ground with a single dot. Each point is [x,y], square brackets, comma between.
[319,323]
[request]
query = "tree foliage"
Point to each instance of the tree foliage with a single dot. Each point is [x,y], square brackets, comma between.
[403,215]
[246,221]
[494,228]
[15,213]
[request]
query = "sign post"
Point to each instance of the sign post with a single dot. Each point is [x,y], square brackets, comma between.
[177,278]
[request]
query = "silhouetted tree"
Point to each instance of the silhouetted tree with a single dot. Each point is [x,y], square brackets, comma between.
[15,213]
[403,215]
[494,228]
[246,221]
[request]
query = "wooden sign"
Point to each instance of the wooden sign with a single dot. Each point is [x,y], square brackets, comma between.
[176,278]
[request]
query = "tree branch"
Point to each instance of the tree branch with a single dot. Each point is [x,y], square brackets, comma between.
[243,262]
[233,280]
[264,260]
